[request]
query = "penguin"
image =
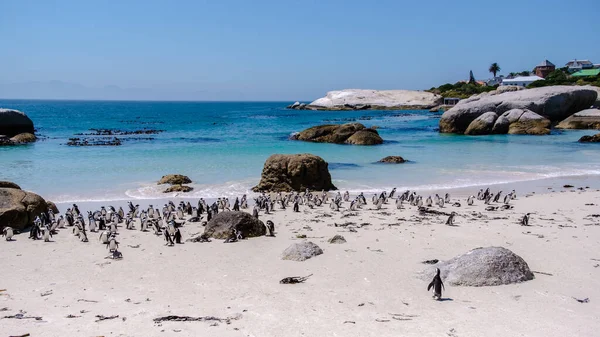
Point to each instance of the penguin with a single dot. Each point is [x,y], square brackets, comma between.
[103,238]
[392,193]
[525,220]
[296,206]
[92,222]
[46,234]
[255,212]
[232,237]
[450,221]
[437,285]
[447,198]
[8,232]
[177,236]
[346,196]
[399,203]
[112,244]
[429,201]
[513,195]
[497,196]
[270,228]
[236,205]
[168,238]
[470,200]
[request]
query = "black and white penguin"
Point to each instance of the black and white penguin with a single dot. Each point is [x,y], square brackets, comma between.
[525,220]
[168,238]
[46,234]
[270,226]
[112,243]
[8,233]
[177,236]
[450,221]
[437,285]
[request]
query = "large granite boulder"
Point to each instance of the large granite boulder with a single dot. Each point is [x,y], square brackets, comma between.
[530,123]
[351,133]
[554,103]
[52,207]
[482,125]
[19,208]
[14,122]
[590,139]
[585,119]
[221,226]
[174,179]
[295,172]
[489,266]
[361,99]
[301,251]
[9,184]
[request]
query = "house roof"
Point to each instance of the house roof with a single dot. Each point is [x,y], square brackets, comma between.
[545,63]
[586,72]
[574,62]
[522,79]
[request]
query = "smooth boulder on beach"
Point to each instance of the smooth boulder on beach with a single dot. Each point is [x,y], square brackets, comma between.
[553,103]
[14,122]
[301,251]
[221,226]
[489,266]
[19,208]
[350,133]
[295,172]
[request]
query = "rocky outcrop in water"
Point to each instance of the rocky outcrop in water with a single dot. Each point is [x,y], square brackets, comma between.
[585,119]
[489,266]
[392,160]
[554,103]
[14,122]
[178,188]
[366,99]
[221,226]
[19,208]
[514,122]
[294,172]
[351,133]
[174,179]
[24,138]
[101,141]
[590,139]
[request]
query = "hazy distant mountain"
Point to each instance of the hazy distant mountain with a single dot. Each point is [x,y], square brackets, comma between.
[66,90]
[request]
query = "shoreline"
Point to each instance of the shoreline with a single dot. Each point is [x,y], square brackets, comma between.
[544,185]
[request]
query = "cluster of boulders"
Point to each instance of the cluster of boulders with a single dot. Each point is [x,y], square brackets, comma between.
[15,128]
[177,182]
[295,172]
[19,208]
[351,133]
[529,111]
[366,99]
[590,139]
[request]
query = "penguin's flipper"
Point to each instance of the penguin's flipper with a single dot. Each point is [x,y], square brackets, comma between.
[430,286]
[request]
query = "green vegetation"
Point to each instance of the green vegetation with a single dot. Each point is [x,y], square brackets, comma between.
[562,77]
[461,89]
[494,69]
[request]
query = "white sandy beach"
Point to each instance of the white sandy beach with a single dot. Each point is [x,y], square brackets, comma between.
[356,288]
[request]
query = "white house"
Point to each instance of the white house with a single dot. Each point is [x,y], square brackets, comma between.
[521,81]
[576,65]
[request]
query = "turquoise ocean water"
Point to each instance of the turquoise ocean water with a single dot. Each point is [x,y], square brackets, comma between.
[222,147]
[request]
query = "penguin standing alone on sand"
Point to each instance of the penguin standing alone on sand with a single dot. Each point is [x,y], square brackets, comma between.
[437,285]
[8,233]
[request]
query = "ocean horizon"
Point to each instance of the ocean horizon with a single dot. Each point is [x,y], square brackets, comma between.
[222,147]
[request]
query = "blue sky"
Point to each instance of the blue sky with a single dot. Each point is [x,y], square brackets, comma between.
[277,50]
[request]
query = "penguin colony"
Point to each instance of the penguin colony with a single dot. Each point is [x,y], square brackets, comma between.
[166,222]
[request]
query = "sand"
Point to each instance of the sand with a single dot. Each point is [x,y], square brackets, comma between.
[358,288]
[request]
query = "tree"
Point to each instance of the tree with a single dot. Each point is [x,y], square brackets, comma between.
[471,77]
[494,68]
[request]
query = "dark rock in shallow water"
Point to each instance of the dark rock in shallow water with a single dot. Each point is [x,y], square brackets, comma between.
[178,188]
[351,133]
[489,266]
[24,138]
[221,226]
[174,179]
[294,172]
[301,251]
[105,141]
[14,122]
[392,160]
[19,208]
[590,139]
